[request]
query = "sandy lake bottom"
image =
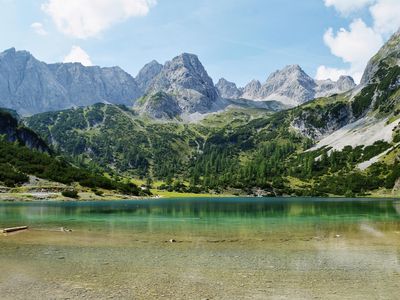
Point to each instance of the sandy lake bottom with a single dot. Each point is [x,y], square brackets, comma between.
[236,248]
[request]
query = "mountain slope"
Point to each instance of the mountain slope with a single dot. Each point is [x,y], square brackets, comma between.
[13,132]
[30,86]
[185,79]
[227,89]
[147,74]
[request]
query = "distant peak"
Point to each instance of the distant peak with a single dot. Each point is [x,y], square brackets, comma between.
[185,54]
[346,78]
[187,57]
[153,63]
[292,67]
[11,50]
[223,80]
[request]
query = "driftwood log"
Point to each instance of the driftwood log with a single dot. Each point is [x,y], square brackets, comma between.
[13,229]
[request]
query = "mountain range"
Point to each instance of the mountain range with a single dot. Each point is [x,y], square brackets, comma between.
[182,85]
[291,86]
[343,144]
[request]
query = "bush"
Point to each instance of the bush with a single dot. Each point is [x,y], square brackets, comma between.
[70,194]
[99,193]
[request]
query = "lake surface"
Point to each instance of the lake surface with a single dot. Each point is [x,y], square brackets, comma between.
[223,248]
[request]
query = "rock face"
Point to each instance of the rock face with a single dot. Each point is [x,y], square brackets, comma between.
[147,74]
[185,79]
[328,87]
[159,106]
[389,54]
[13,132]
[292,86]
[30,86]
[252,89]
[227,89]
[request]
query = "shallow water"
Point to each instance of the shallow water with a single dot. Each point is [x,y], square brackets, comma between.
[228,248]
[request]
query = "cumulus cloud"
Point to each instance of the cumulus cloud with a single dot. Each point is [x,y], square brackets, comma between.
[358,44]
[38,28]
[84,19]
[77,54]
[324,72]
[386,16]
[354,46]
[346,7]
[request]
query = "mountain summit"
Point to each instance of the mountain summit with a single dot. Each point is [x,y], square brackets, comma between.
[291,86]
[185,79]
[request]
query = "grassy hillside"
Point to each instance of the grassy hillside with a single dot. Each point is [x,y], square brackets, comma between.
[24,154]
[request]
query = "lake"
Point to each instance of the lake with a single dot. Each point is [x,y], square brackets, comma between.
[220,248]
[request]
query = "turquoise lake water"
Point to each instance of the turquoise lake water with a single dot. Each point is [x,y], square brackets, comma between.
[208,216]
[223,248]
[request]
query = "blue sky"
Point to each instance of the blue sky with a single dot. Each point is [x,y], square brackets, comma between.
[236,39]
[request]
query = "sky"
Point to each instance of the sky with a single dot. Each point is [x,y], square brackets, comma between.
[239,40]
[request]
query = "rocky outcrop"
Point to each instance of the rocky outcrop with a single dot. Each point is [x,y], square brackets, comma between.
[159,106]
[30,86]
[147,74]
[13,132]
[389,54]
[185,79]
[89,85]
[227,89]
[318,122]
[251,90]
[328,87]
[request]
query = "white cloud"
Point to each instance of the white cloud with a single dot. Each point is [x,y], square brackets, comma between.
[346,7]
[83,19]
[38,28]
[386,16]
[358,44]
[324,72]
[77,54]
[354,46]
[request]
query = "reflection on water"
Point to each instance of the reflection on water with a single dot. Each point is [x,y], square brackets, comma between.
[237,248]
[231,216]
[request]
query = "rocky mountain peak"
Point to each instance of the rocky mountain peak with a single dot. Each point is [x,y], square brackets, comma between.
[189,69]
[251,90]
[147,74]
[345,83]
[227,89]
[289,73]
[186,79]
[291,85]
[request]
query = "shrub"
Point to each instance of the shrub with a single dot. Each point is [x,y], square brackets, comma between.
[70,194]
[99,193]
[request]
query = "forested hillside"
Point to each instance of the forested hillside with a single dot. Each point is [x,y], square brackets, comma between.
[23,153]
